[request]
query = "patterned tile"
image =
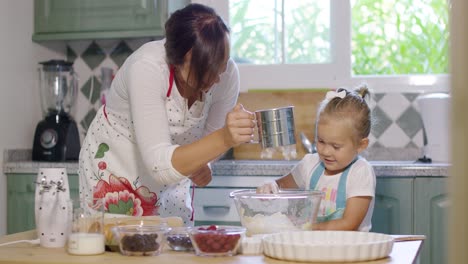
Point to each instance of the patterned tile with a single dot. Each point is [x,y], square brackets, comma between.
[418,139]
[92,89]
[411,144]
[71,55]
[394,137]
[393,104]
[410,122]
[135,43]
[79,46]
[86,121]
[378,96]
[372,140]
[381,122]
[121,53]
[411,96]
[93,55]
[107,45]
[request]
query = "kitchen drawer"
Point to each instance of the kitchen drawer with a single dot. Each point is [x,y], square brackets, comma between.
[214,206]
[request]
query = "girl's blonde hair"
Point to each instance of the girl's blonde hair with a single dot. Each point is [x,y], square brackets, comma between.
[352,106]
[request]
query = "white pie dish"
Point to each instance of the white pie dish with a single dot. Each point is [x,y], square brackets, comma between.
[252,245]
[327,246]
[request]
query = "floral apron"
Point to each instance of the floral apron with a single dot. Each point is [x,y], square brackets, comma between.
[111,166]
[341,192]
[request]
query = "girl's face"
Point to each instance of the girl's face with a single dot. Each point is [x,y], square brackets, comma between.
[336,144]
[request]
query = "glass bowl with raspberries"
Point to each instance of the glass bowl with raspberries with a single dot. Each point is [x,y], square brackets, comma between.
[141,240]
[216,240]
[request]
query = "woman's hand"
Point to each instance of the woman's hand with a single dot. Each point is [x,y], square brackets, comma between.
[239,127]
[202,176]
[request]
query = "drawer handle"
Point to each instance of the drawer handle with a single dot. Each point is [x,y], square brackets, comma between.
[216,209]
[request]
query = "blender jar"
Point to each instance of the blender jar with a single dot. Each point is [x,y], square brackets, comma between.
[58,87]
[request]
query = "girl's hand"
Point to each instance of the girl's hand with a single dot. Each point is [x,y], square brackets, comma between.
[239,126]
[268,187]
[202,176]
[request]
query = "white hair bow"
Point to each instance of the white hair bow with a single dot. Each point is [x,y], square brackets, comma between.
[332,94]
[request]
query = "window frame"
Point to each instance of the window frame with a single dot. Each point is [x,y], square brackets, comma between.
[329,75]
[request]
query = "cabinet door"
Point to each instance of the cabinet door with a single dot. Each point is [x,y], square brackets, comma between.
[431,218]
[21,190]
[96,15]
[100,19]
[393,209]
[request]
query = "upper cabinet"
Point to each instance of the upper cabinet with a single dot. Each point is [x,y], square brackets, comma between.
[101,19]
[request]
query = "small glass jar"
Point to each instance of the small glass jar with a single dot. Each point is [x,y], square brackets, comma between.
[179,239]
[87,227]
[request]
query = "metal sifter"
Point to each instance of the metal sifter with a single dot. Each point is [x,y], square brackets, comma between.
[276,127]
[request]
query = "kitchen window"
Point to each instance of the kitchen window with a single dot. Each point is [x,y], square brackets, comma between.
[393,45]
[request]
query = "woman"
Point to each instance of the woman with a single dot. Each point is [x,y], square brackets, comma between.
[170,111]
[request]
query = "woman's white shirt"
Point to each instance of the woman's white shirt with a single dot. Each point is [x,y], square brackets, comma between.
[140,89]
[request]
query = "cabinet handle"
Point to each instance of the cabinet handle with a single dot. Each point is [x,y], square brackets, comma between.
[216,209]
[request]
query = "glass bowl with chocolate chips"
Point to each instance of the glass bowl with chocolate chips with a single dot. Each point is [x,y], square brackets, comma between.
[178,239]
[141,240]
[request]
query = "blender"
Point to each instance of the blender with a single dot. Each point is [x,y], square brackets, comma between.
[56,137]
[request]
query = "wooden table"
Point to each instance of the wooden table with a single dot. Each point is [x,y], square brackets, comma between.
[24,253]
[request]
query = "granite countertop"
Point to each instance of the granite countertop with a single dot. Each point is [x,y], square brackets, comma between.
[19,161]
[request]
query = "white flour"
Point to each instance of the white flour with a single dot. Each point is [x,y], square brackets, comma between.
[262,224]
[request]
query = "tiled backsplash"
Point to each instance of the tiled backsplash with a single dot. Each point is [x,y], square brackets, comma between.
[397,121]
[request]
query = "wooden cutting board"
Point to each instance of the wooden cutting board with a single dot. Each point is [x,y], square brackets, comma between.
[305,104]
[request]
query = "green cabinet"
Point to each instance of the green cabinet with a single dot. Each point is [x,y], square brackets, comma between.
[393,209]
[101,19]
[431,218]
[416,205]
[21,189]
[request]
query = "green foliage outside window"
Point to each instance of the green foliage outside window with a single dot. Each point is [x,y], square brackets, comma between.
[399,37]
[389,37]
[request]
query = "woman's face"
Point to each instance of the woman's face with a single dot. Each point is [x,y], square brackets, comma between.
[207,82]
[210,83]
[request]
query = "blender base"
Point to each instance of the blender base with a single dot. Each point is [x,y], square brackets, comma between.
[56,139]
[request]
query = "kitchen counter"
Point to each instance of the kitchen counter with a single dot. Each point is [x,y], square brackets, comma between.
[19,161]
[23,253]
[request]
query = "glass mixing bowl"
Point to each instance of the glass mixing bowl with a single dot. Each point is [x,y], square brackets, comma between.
[289,210]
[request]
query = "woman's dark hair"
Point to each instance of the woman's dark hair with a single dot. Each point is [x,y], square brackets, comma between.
[199,28]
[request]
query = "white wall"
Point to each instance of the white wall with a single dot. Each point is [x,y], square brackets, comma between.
[19,97]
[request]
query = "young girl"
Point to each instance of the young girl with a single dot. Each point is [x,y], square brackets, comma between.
[342,128]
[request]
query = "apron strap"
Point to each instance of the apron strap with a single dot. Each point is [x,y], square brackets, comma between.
[341,192]
[169,90]
[171,80]
[104,111]
[316,174]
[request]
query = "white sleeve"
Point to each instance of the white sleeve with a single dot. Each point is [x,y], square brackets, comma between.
[302,172]
[361,180]
[225,95]
[147,86]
